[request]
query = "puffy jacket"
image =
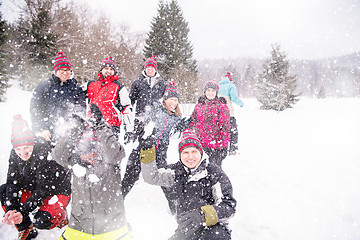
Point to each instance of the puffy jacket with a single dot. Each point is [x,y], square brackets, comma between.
[192,189]
[97,201]
[43,177]
[228,90]
[211,123]
[145,91]
[52,100]
[113,100]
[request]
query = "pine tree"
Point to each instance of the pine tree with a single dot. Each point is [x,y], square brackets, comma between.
[275,86]
[3,75]
[168,40]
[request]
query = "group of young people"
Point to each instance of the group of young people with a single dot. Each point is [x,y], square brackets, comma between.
[73,154]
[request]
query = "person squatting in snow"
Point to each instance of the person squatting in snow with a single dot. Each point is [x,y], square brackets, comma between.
[55,99]
[93,153]
[34,186]
[228,91]
[211,122]
[112,98]
[201,190]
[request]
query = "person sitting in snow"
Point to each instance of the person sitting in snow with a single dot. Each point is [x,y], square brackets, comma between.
[112,98]
[211,123]
[201,190]
[228,90]
[94,155]
[34,184]
[54,100]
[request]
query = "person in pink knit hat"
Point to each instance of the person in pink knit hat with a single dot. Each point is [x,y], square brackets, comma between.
[211,123]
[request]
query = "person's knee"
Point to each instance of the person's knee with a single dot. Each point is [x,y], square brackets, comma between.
[42,220]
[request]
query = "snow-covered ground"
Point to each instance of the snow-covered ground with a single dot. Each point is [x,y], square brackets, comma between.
[297,176]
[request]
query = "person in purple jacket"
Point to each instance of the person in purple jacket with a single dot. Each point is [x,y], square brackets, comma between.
[211,123]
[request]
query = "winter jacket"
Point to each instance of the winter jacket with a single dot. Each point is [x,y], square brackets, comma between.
[165,125]
[52,100]
[97,201]
[113,100]
[193,188]
[211,123]
[228,90]
[43,177]
[145,91]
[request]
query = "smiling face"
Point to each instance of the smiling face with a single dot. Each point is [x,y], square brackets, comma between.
[24,152]
[150,71]
[171,103]
[63,74]
[190,157]
[107,71]
[210,93]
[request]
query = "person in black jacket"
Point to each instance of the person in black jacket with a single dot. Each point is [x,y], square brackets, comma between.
[201,191]
[55,99]
[34,184]
[145,95]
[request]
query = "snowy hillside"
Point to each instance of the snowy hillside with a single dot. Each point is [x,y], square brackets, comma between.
[297,177]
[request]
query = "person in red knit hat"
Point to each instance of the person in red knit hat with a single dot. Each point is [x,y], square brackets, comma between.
[34,186]
[211,122]
[201,191]
[112,97]
[55,100]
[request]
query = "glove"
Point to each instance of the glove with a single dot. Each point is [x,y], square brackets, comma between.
[147,143]
[148,155]
[97,114]
[129,137]
[191,222]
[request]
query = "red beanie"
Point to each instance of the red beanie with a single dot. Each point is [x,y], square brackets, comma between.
[171,91]
[61,61]
[151,61]
[189,139]
[108,62]
[228,75]
[21,134]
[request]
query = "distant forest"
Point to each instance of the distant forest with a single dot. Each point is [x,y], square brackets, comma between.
[329,77]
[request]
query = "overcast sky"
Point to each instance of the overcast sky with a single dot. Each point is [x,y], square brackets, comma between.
[305,29]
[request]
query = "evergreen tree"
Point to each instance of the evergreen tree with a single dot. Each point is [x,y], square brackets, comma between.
[3,75]
[275,86]
[168,40]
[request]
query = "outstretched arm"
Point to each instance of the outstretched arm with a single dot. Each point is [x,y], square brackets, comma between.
[162,177]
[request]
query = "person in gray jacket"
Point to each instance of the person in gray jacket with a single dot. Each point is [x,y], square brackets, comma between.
[201,190]
[97,210]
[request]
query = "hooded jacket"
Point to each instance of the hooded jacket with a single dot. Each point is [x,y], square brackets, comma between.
[191,189]
[211,123]
[52,100]
[145,91]
[97,201]
[228,90]
[113,100]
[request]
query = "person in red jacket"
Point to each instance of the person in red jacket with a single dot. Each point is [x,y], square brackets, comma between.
[112,98]
[211,123]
